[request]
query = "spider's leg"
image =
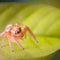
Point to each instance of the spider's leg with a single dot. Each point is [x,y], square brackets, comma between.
[10,44]
[2,44]
[32,34]
[2,35]
[25,36]
[17,42]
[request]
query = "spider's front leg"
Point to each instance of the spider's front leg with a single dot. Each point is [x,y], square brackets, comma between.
[31,33]
[17,42]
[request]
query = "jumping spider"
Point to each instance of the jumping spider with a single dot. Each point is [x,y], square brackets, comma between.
[16,32]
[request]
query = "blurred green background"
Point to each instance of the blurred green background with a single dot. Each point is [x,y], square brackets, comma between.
[43,18]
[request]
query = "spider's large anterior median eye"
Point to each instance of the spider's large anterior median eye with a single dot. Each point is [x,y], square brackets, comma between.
[18,31]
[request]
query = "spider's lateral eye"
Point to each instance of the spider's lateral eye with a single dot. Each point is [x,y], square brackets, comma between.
[18,31]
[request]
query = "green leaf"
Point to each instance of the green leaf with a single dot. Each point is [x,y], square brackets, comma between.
[43,20]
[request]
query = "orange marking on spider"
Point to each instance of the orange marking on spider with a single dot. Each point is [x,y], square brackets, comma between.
[16,32]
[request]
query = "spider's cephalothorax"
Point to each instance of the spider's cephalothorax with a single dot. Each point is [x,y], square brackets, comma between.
[16,32]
